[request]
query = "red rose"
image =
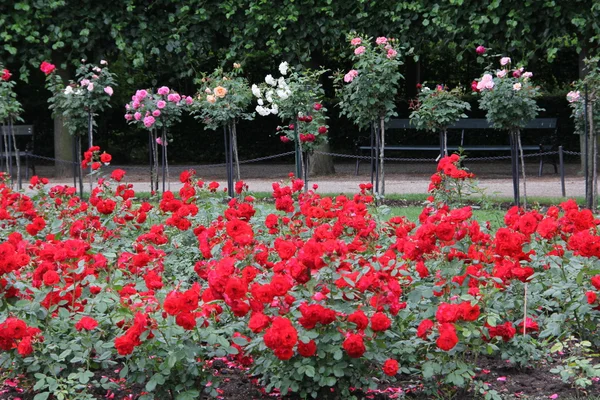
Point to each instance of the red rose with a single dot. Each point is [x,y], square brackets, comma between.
[469,312]
[307,349]
[308,118]
[596,282]
[317,106]
[359,318]
[591,297]
[380,322]
[258,322]
[448,338]
[51,278]
[105,158]
[47,68]
[419,86]
[390,367]
[14,328]
[125,344]
[6,74]
[354,345]
[117,175]
[24,348]
[96,165]
[86,323]
[447,313]
[186,320]
[480,50]
[474,86]
[530,325]
[424,328]
[322,130]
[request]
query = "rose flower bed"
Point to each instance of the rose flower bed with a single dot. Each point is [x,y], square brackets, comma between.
[323,297]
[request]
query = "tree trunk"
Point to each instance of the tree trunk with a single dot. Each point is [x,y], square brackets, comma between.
[321,164]
[63,144]
[63,141]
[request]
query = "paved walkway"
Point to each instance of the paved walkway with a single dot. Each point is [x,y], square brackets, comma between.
[494,178]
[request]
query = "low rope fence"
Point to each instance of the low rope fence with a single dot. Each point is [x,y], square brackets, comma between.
[356,157]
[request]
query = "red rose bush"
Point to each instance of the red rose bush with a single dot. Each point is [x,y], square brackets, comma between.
[316,295]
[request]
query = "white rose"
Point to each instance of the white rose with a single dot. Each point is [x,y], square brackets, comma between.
[269,96]
[103,62]
[68,90]
[281,83]
[256,91]
[282,94]
[262,111]
[283,68]
[261,102]
[517,86]
[274,109]
[270,80]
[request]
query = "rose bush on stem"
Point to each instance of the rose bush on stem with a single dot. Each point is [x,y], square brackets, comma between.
[591,116]
[367,93]
[80,101]
[508,97]
[10,111]
[222,101]
[156,112]
[436,109]
[296,97]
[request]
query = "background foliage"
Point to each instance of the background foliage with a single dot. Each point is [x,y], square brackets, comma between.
[167,42]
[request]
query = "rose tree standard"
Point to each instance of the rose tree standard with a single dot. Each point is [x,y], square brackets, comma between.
[509,100]
[367,92]
[223,100]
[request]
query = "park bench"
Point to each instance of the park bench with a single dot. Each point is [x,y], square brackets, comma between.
[462,126]
[20,131]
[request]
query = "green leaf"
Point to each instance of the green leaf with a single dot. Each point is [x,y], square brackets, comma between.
[41,396]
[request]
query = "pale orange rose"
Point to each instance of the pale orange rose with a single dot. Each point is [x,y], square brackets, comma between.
[220,91]
[211,99]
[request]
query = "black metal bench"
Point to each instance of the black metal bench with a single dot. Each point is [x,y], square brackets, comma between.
[463,125]
[7,148]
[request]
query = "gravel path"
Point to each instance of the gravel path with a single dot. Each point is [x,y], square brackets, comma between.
[494,178]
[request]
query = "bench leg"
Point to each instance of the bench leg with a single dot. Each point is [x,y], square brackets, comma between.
[357,166]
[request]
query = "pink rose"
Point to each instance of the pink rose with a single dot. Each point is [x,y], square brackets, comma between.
[85,82]
[527,75]
[349,77]
[156,113]
[161,104]
[391,53]
[480,50]
[381,40]
[505,60]
[136,104]
[189,100]
[137,116]
[501,73]
[163,90]
[516,73]
[359,50]
[174,97]
[149,121]
[141,94]
[108,90]
[356,41]
[128,117]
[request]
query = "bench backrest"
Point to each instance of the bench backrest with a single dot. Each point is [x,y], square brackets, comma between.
[18,130]
[475,123]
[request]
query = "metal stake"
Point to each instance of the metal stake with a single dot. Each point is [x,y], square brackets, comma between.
[562,171]
[515,166]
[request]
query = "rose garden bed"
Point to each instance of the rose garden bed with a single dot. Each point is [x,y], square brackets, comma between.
[189,295]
